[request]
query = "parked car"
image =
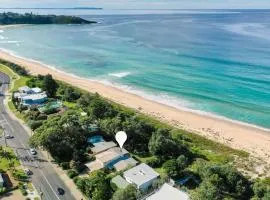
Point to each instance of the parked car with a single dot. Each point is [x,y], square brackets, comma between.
[28,172]
[60,191]
[33,151]
[9,136]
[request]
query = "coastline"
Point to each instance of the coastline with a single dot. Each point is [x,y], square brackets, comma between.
[254,140]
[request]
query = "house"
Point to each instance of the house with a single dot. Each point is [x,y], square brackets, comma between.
[107,158]
[142,176]
[34,99]
[125,163]
[24,89]
[120,182]
[100,147]
[27,90]
[1,181]
[168,192]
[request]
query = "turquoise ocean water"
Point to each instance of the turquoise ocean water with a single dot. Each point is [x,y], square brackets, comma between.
[215,62]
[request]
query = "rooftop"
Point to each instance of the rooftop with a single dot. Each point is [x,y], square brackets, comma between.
[111,154]
[120,182]
[36,90]
[125,163]
[168,192]
[140,174]
[35,96]
[102,146]
[24,89]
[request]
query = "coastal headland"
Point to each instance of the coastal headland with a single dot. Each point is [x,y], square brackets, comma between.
[254,140]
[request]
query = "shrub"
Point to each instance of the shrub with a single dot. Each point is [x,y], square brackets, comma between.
[65,165]
[23,189]
[154,162]
[35,124]
[50,111]
[72,174]
[3,190]
[19,175]
[42,117]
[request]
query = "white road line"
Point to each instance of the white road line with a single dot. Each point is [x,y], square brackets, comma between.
[8,123]
[49,184]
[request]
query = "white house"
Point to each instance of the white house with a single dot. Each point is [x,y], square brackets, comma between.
[168,192]
[142,176]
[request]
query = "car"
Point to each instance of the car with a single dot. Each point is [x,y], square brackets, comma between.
[28,172]
[33,151]
[60,191]
[9,136]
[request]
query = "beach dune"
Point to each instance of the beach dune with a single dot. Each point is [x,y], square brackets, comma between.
[252,139]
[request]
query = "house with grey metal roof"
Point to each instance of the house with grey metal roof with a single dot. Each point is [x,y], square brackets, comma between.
[168,192]
[142,176]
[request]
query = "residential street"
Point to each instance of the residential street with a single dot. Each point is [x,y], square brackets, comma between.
[44,177]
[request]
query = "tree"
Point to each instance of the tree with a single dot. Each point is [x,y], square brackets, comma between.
[227,180]
[85,100]
[161,144]
[111,125]
[206,191]
[96,186]
[129,193]
[61,136]
[171,168]
[261,189]
[182,162]
[100,108]
[50,85]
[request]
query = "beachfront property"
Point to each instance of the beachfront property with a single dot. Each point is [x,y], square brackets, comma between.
[34,99]
[142,176]
[108,155]
[168,192]
[108,158]
[30,96]
[99,144]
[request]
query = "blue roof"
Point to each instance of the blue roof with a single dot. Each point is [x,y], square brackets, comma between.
[95,139]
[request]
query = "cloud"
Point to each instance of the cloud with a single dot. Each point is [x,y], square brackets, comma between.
[140,4]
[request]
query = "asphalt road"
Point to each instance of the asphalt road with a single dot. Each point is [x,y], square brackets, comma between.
[44,177]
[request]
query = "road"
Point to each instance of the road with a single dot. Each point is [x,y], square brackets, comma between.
[44,177]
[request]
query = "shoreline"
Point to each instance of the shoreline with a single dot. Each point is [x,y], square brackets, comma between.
[255,140]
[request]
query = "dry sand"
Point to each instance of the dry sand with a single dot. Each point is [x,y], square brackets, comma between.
[254,140]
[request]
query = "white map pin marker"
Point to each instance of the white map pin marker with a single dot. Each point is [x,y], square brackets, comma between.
[121,138]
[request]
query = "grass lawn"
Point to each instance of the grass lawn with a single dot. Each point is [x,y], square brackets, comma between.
[4,162]
[20,82]
[14,110]
[8,71]
[69,104]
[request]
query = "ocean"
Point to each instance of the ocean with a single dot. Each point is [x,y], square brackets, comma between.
[210,62]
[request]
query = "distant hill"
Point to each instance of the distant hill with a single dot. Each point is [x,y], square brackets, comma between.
[29,18]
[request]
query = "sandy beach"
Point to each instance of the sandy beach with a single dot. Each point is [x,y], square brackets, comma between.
[254,140]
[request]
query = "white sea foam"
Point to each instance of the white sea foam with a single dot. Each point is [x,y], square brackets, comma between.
[10,42]
[1,31]
[250,29]
[2,37]
[120,74]
[161,98]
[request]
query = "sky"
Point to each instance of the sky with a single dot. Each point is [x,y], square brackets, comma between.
[140,4]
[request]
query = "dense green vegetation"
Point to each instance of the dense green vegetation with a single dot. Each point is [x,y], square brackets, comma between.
[29,18]
[175,152]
